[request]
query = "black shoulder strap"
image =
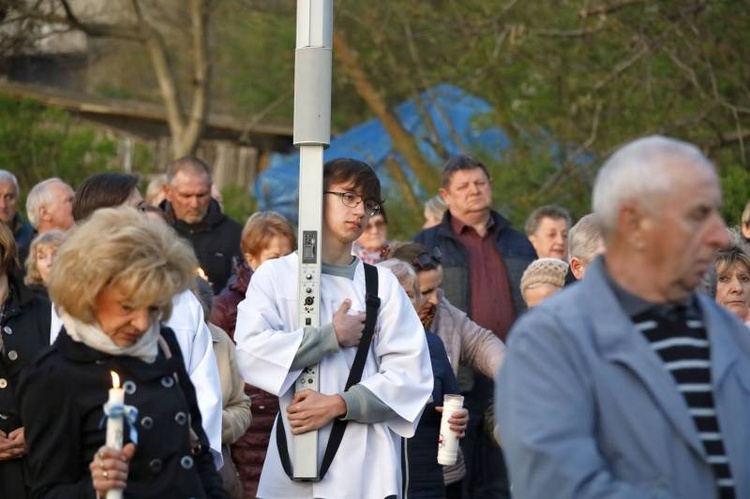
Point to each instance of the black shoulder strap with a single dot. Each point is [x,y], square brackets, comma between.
[372,304]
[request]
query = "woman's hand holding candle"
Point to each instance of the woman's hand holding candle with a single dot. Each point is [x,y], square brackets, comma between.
[458,421]
[109,469]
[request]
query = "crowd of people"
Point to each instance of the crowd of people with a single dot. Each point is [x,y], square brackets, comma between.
[605,358]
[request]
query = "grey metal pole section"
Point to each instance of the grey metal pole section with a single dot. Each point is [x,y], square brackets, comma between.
[312,133]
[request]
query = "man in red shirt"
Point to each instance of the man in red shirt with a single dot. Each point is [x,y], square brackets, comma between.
[483,259]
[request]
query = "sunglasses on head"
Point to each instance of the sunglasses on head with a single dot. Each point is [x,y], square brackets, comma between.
[428,261]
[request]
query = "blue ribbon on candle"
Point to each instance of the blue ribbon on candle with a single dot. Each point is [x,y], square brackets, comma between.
[128,412]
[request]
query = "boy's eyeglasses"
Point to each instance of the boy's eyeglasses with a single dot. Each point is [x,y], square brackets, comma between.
[352,200]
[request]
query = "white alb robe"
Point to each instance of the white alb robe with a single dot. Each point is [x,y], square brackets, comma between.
[397,371]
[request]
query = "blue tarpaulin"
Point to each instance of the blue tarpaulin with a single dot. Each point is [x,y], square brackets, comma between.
[452,121]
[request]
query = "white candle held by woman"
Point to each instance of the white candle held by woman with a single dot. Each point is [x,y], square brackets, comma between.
[115,424]
[448,443]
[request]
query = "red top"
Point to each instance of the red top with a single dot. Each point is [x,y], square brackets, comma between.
[491,300]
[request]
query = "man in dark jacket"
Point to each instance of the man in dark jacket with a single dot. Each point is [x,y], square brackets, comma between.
[483,260]
[198,218]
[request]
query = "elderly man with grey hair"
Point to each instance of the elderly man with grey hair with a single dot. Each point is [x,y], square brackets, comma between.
[49,205]
[645,390]
[23,232]
[585,241]
[197,217]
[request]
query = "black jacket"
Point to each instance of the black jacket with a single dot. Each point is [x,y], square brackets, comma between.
[24,331]
[425,475]
[23,233]
[216,241]
[61,397]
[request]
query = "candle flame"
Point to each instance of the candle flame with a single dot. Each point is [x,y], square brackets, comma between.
[201,273]
[115,379]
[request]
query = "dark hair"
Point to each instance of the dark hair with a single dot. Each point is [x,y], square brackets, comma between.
[382,213]
[417,255]
[103,190]
[547,211]
[345,170]
[457,163]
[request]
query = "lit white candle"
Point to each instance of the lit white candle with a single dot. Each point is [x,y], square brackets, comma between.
[115,424]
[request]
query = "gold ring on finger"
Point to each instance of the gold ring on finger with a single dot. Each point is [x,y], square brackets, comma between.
[105,474]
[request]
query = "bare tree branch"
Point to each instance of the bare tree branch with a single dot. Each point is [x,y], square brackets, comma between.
[692,76]
[185,128]
[408,196]
[201,74]
[402,140]
[424,84]
[729,139]
[741,138]
[570,164]
[569,33]
[92,29]
[258,117]
[622,67]
[598,10]
[157,50]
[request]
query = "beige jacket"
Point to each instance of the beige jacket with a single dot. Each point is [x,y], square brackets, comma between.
[466,342]
[236,415]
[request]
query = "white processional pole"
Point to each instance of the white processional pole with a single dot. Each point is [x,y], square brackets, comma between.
[312,133]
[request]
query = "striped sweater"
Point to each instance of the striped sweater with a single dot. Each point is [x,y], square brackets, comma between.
[680,340]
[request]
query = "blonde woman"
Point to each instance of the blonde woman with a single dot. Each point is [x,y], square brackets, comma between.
[733,280]
[41,254]
[114,279]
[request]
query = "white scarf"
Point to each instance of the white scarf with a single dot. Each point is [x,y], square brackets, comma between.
[91,335]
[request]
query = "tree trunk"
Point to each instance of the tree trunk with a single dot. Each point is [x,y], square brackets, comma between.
[403,141]
[407,193]
[185,128]
[196,121]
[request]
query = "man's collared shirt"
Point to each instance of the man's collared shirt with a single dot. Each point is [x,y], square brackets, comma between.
[491,300]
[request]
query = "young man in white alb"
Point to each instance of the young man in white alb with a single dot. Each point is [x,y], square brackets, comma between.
[272,350]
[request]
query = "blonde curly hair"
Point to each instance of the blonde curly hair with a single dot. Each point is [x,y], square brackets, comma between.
[119,247]
[52,238]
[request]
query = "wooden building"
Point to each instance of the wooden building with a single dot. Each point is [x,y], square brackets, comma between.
[237,150]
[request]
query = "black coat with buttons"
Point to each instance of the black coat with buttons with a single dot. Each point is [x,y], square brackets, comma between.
[24,331]
[61,397]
